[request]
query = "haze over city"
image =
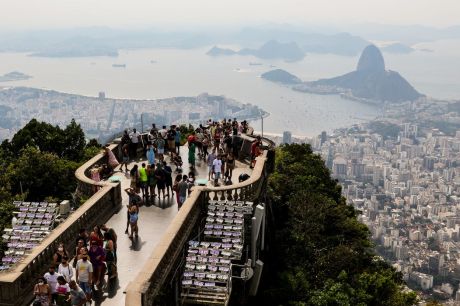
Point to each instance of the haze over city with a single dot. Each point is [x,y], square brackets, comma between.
[230,152]
[23,14]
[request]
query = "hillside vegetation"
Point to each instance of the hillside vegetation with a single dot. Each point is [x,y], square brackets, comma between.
[319,253]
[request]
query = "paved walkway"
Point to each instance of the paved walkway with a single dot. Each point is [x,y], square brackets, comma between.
[153,222]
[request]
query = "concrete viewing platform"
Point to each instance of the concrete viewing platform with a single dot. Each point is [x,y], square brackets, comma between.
[154,220]
[146,263]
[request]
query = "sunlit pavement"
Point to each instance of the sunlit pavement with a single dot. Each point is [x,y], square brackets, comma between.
[153,222]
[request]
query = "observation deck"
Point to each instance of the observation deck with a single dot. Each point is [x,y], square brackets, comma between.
[147,267]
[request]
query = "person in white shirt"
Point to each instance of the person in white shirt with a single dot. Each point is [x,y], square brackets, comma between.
[65,269]
[163,132]
[217,168]
[51,278]
[210,161]
[134,137]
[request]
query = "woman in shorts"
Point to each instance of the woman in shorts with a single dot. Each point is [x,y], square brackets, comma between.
[133,218]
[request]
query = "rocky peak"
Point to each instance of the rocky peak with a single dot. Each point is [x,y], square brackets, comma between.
[371,60]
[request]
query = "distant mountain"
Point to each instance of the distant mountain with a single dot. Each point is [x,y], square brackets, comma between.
[307,39]
[270,50]
[276,50]
[216,51]
[397,48]
[281,76]
[370,81]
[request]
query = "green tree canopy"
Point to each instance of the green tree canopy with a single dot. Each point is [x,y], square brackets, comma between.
[66,143]
[321,254]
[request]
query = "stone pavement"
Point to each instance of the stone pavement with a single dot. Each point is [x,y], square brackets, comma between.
[153,222]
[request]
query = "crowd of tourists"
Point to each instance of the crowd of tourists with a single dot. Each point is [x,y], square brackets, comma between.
[72,283]
[95,256]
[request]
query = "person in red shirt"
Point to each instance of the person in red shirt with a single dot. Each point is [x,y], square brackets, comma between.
[255,151]
[191,138]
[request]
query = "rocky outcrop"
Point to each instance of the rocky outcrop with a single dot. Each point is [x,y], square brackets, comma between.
[370,80]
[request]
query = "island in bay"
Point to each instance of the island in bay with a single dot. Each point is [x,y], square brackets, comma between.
[14,76]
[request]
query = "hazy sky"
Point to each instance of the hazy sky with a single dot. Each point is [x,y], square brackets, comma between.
[122,13]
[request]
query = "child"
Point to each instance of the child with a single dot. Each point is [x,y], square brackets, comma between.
[177,160]
[190,181]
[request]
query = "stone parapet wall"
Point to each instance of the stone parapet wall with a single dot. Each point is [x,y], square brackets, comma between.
[16,285]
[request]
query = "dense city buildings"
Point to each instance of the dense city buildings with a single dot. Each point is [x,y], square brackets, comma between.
[102,117]
[403,173]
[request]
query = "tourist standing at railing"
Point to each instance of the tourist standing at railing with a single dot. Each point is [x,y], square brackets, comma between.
[125,139]
[82,235]
[255,151]
[162,133]
[190,181]
[135,137]
[125,157]
[42,292]
[111,159]
[154,131]
[171,137]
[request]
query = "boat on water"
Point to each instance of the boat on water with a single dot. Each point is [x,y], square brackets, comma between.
[119,65]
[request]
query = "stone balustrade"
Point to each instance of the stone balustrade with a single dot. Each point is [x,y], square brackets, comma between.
[16,285]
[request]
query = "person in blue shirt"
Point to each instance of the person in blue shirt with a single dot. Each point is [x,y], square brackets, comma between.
[150,154]
[177,139]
